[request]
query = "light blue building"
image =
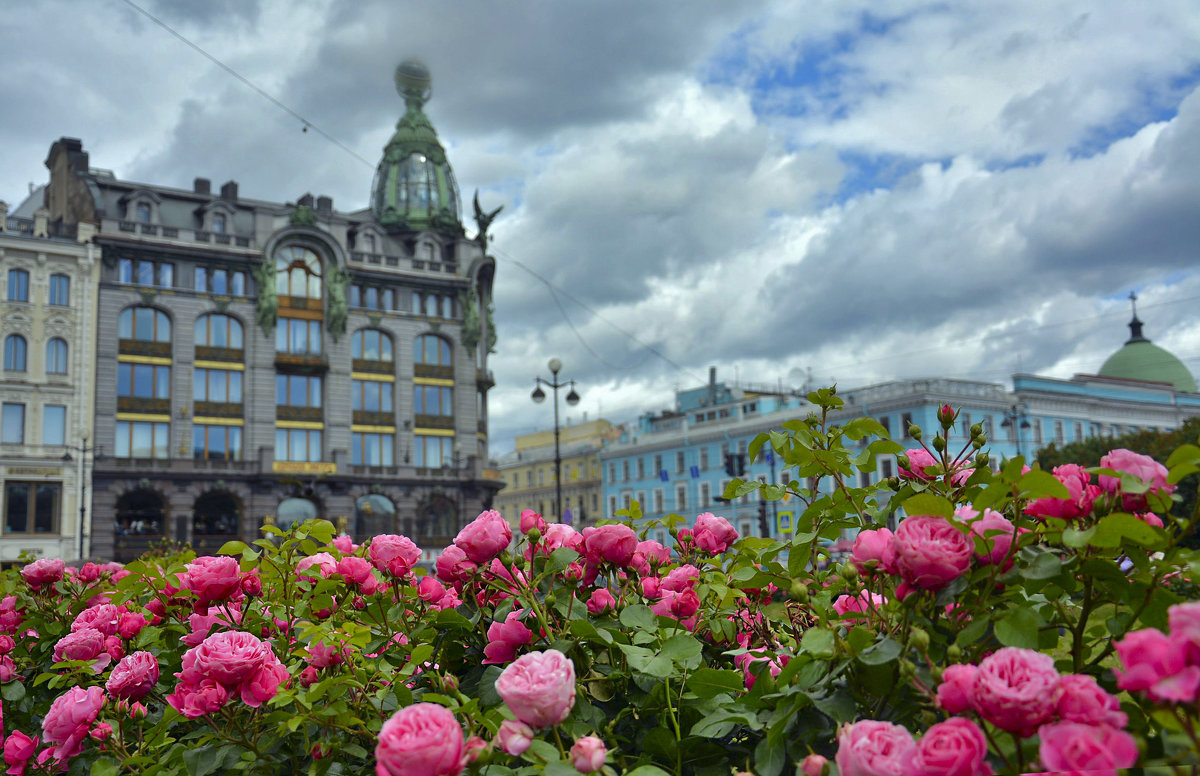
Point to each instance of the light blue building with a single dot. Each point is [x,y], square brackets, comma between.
[674,460]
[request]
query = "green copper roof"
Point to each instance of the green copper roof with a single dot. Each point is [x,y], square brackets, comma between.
[414,186]
[1140,359]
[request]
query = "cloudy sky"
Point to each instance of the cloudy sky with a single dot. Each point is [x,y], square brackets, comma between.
[862,190]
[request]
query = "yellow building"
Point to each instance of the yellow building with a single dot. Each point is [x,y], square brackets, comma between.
[528,473]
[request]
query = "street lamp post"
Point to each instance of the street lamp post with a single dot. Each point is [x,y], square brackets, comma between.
[572,399]
[83,451]
[1016,417]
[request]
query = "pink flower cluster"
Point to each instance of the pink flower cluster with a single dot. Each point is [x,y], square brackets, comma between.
[539,688]
[223,665]
[1165,666]
[956,747]
[1142,467]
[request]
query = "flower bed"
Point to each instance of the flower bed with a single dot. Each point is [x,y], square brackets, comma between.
[1014,621]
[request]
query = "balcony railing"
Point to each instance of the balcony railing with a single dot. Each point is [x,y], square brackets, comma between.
[283,412]
[433,370]
[144,348]
[139,404]
[373,366]
[433,421]
[217,409]
[207,353]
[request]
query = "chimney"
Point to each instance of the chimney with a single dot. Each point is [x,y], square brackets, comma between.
[3,215]
[712,386]
[229,191]
[204,186]
[41,222]
[305,201]
[325,206]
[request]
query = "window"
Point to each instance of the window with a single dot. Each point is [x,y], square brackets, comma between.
[142,212]
[60,290]
[905,422]
[658,500]
[641,468]
[237,283]
[886,422]
[1078,431]
[368,243]
[612,505]
[223,386]
[297,272]
[373,396]
[625,470]
[217,443]
[1060,436]
[298,337]
[541,477]
[703,458]
[219,331]
[372,449]
[864,479]
[144,381]
[681,496]
[54,424]
[432,350]
[371,345]
[297,444]
[18,285]
[144,324]
[142,439]
[965,419]
[705,494]
[298,391]
[1037,431]
[147,273]
[14,353]
[56,356]
[294,510]
[31,507]
[12,424]
[885,467]
[987,426]
[220,281]
[447,307]
[658,467]
[679,462]
[433,451]
[433,400]
[529,478]
[612,471]
[218,223]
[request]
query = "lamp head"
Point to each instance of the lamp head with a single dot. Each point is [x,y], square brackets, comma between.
[555,366]
[572,397]
[538,394]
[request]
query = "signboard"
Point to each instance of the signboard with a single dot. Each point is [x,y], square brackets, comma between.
[785,522]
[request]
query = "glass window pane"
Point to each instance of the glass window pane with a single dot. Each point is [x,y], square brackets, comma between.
[314,337]
[145,273]
[200,385]
[143,440]
[297,391]
[281,444]
[356,457]
[371,396]
[46,508]
[162,441]
[356,393]
[372,449]
[124,379]
[54,424]
[298,445]
[281,389]
[166,275]
[371,345]
[238,286]
[314,445]
[235,334]
[385,348]
[219,331]
[372,299]
[201,279]
[220,281]
[162,327]
[125,325]
[445,353]
[431,401]
[143,381]
[419,451]
[447,307]
[314,392]
[162,382]
[198,441]
[216,442]
[125,273]
[281,337]
[122,444]
[355,296]
[386,404]
[12,426]
[235,443]
[387,450]
[143,324]
[235,387]
[16,507]
[298,331]
[314,287]
[389,299]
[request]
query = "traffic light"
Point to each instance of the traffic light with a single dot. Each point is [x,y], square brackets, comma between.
[763,528]
[729,465]
[741,464]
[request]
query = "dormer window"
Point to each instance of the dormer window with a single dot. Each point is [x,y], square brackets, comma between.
[142,212]
[218,223]
[368,243]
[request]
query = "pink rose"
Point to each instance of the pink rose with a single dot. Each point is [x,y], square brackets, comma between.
[1016,689]
[1083,700]
[813,765]
[931,552]
[872,748]
[130,624]
[1184,622]
[505,638]
[1143,467]
[392,554]
[614,543]
[18,749]
[213,579]
[354,570]
[873,549]
[239,662]
[955,693]
[423,739]
[651,587]
[196,700]
[757,661]
[43,571]
[485,537]
[66,723]
[539,688]
[560,535]
[1077,481]
[6,644]
[998,534]
[514,736]
[600,601]
[648,555]
[430,590]
[252,583]
[919,460]
[133,677]
[202,624]
[326,564]
[86,644]
[531,520]
[1150,519]
[1073,747]
[956,747]
[681,578]
[588,753]
[344,544]
[103,618]
[1149,657]
[713,534]
[863,602]
[453,565]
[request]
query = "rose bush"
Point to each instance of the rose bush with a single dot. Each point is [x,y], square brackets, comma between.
[989,619]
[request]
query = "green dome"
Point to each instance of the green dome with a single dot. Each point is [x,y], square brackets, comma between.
[1140,359]
[414,187]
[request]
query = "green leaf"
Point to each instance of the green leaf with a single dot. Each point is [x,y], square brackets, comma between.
[928,504]
[13,691]
[560,768]
[201,761]
[818,642]
[647,770]
[681,647]
[710,682]
[769,757]
[719,723]
[639,616]
[1073,537]
[1113,528]
[233,548]
[105,767]
[560,559]
[882,652]
[1045,566]
[1037,484]
[1019,628]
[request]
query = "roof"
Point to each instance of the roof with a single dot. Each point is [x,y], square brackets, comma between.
[1141,359]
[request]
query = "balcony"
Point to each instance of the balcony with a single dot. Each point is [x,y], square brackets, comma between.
[206,353]
[434,421]
[300,303]
[433,370]
[142,405]
[130,347]
[306,363]
[216,409]
[372,366]
[369,418]
[484,379]
[309,414]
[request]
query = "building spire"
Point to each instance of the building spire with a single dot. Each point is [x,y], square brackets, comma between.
[1135,326]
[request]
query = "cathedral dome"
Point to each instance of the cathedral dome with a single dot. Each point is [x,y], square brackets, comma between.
[414,187]
[1140,359]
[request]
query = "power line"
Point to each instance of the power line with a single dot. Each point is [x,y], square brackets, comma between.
[262,92]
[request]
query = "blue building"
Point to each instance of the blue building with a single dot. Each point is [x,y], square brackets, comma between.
[674,460]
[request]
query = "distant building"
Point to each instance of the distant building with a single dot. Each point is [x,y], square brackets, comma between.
[47,325]
[528,473]
[264,362]
[674,461]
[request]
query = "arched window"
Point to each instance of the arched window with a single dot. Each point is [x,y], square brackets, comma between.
[432,350]
[292,511]
[142,212]
[374,514]
[145,324]
[297,272]
[14,353]
[18,285]
[60,290]
[141,513]
[372,345]
[216,513]
[431,304]
[218,223]
[219,331]
[56,356]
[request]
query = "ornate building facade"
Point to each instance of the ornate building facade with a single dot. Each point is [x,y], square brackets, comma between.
[261,362]
[47,317]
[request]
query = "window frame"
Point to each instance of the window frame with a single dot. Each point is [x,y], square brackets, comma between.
[31,506]
[5,409]
[18,285]
[16,353]
[62,352]
[56,409]
[59,292]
